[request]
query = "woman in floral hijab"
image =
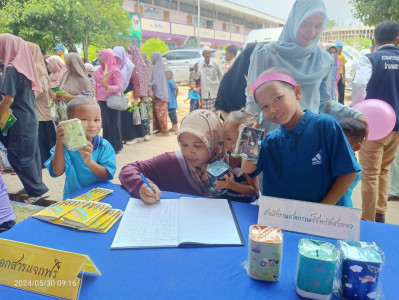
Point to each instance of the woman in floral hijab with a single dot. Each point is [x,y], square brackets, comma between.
[184,171]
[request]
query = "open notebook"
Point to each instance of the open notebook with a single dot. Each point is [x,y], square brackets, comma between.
[173,222]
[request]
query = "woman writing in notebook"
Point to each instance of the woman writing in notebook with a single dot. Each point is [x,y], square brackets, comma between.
[184,171]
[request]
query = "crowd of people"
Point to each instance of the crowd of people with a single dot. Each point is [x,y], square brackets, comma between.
[291,88]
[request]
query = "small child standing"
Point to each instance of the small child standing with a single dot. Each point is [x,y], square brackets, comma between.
[241,187]
[336,75]
[308,157]
[355,132]
[94,163]
[194,96]
[172,106]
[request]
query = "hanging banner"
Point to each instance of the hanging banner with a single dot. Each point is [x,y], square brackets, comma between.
[135,26]
[43,270]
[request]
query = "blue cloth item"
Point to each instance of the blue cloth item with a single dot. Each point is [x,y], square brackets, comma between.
[173,101]
[339,44]
[59,47]
[194,95]
[172,115]
[303,163]
[383,84]
[77,173]
[194,104]
[181,273]
[346,199]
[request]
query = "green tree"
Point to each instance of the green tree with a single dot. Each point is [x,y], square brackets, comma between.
[372,12]
[331,23]
[358,43]
[70,22]
[152,45]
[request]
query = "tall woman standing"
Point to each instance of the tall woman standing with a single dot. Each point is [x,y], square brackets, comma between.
[161,96]
[47,134]
[20,82]
[111,85]
[75,81]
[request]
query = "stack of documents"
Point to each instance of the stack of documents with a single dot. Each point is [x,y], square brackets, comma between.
[80,214]
[95,194]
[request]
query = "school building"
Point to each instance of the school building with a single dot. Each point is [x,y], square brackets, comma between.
[173,21]
[341,34]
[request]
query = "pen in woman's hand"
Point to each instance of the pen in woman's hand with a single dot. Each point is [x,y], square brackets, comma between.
[148,184]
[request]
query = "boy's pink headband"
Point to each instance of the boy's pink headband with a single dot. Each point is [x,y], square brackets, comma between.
[272,77]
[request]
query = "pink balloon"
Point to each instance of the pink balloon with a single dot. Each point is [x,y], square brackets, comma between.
[379,115]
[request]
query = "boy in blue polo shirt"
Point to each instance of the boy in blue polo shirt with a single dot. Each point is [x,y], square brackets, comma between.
[308,157]
[94,163]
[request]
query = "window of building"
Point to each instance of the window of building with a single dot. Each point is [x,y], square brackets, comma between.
[171,4]
[207,13]
[259,26]
[237,20]
[153,12]
[250,25]
[223,17]
[187,8]
[146,1]
[209,24]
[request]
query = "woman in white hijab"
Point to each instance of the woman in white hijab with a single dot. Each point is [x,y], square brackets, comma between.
[297,50]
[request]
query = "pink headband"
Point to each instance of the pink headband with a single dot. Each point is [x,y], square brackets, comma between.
[272,77]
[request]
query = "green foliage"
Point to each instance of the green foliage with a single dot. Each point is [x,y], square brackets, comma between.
[92,52]
[358,43]
[69,22]
[331,23]
[372,12]
[152,45]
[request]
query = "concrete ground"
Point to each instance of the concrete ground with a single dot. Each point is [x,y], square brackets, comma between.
[158,145]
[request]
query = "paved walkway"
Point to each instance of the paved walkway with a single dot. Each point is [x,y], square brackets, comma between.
[146,150]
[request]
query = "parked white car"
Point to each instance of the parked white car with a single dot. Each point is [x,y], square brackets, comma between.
[181,62]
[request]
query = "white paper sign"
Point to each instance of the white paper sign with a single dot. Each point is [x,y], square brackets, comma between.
[331,221]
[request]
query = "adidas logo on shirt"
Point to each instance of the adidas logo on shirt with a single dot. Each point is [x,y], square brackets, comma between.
[317,160]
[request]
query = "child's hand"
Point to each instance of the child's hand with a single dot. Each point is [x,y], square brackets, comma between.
[59,131]
[86,153]
[65,98]
[226,182]
[147,195]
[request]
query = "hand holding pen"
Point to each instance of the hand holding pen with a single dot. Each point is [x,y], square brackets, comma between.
[149,192]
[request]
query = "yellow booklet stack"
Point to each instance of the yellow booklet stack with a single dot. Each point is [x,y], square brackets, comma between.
[80,214]
[95,194]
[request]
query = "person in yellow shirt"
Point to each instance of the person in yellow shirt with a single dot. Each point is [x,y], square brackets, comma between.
[341,82]
[60,51]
